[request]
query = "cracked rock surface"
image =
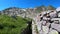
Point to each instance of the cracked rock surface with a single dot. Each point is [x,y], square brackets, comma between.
[49,22]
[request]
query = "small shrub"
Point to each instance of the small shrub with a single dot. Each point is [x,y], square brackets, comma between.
[12,26]
[1,26]
[9,25]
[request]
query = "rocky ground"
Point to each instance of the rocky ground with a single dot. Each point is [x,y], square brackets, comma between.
[48,22]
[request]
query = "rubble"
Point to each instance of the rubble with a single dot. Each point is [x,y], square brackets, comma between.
[50,22]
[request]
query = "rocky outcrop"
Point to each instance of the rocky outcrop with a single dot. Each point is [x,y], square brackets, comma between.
[48,22]
[29,12]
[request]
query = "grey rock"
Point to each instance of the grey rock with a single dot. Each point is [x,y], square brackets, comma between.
[55,26]
[52,31]
[45,29]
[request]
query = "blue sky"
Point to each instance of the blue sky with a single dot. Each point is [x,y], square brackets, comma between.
[27,3]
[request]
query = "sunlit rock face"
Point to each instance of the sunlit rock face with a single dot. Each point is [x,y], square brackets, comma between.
[58,9]
[24,12]
[13,11]
[50,22]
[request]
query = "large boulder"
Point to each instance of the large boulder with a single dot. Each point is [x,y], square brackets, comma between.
[55,26]
[45,29]
[52,31]
[58,9]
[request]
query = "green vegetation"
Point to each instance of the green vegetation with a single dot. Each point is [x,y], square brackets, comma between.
[10,25]
[50,7]
[40,8]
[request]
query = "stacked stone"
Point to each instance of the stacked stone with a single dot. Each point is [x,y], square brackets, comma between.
[47,24]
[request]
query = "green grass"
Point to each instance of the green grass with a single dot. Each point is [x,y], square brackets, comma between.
[9,25]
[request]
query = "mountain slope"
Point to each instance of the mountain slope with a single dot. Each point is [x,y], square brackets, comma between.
[10,25]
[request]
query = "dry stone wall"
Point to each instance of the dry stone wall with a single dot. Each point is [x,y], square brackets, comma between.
[48,22]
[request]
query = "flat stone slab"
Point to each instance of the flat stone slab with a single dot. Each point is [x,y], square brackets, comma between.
[53,32]
[56,26]
[55,19]
[45,29]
